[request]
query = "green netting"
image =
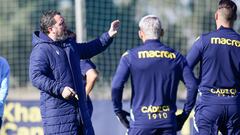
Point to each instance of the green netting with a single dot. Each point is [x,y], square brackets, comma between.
[18,19]
[183,21]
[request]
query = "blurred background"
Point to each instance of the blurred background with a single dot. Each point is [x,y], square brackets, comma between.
[182,20]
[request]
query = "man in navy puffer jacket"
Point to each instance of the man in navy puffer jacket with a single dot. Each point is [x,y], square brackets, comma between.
[54,69]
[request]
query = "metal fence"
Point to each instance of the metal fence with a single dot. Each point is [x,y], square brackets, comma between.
[183,21]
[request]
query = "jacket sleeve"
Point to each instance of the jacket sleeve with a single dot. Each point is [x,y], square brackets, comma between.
[86,65]
[119,79]
[94,47]
[39,69]
[191,85]
[5,75]
[195,54]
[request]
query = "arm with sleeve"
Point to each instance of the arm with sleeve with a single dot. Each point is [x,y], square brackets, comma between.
[38,71]
[195,54]
[118,82]
[86,65]
[5,75]
[88,70]
[191,84]
[121,76]
[94,47]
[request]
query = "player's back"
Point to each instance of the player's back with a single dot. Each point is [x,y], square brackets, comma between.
[155,73]
[220,66]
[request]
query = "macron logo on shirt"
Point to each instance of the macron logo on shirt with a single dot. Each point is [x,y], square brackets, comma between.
[225,41]
[156,54]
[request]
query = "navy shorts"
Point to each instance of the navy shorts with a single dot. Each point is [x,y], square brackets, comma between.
[151,131]
[209,119]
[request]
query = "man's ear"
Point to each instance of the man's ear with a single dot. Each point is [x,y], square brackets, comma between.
[50,29]
[140,34]
[216,15]
[162,33]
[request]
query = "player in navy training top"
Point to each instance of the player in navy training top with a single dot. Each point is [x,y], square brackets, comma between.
[90,75]
[219,81]
[155,71]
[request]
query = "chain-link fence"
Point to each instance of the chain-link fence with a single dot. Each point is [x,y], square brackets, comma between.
[183,21]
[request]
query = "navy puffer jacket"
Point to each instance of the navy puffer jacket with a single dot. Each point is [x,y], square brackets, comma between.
[55,65]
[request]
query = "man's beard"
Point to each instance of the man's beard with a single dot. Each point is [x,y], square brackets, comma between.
[62,36]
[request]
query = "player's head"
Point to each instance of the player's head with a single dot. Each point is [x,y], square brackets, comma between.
[227,11]
[150,28]
[53,24]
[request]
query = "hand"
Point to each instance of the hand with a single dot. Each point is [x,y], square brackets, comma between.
[68,93]
[122,117]
[181,118]
[114,28]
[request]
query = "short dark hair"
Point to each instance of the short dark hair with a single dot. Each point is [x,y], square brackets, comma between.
[230,7]
[47,20]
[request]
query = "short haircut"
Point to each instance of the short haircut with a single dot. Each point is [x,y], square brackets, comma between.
[47,20]
[228,10]
[151,26]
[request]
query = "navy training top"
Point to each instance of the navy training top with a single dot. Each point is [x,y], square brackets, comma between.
[219,55]
[155,71]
